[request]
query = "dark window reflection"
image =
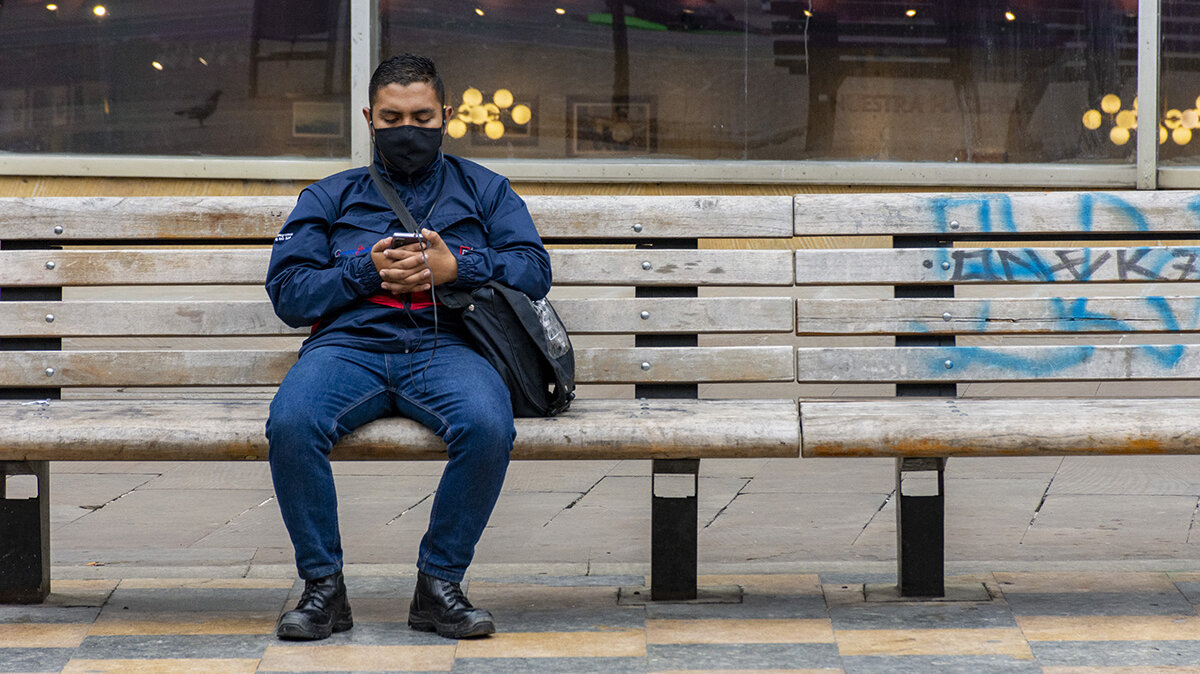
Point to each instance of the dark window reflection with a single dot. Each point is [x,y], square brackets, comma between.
[1179,136]
[230,77]
[935,80]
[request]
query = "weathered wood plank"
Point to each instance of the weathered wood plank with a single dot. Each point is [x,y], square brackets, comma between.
[994,316]
[267,367]
[62,430]
[142,218]
[137,318]
[997,363]
[249,266]
[577,217]
[255,318]
[876,266]
[1001,214]
[662,216]
[1012,427]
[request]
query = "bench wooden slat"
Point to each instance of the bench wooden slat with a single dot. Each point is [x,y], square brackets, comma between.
[255,318]
[876,266]
[249,266]
[580,217]
[72,430]
[997,363]
[1014,427]
[1135,212]
[1009,315]
[267,367]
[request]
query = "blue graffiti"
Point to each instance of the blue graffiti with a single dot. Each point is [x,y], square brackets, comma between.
[1077,317]
[1001,220]
[1167,356]
[1044,365]
[1087,204]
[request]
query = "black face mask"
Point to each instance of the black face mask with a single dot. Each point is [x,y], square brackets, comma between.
[408,148]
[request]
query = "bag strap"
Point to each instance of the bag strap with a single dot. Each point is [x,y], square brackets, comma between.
[394,200]
[455,299]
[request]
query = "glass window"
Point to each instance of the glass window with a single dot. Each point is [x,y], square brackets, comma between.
[926,80]
[1180,83]
[170,77]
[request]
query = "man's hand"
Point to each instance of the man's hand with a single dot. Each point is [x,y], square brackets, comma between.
[404,270]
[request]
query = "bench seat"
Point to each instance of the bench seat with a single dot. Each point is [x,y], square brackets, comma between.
[931,427]
[216,430]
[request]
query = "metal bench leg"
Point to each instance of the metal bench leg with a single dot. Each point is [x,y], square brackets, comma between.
[920,529]
[25,536]
[673,530]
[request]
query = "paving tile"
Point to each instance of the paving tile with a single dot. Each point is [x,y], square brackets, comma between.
[598,665]
[901,615]
[158,518]
[823,476]
[33,659]
[555,476]
[370,632]
[42,635]
[1094,526]
[567,581]
[179,646]
[764,583]
[1110,628]
[1099,604]
[943,664]
[952,641]
[193,623]
[219,475]
[1190,590]
[185,600]
[615,643]
[540,608]
[1117,670]
[278,658]
[762,606]
[1082,581]
[164,666]
[735,657]
[755,631]
[1117,653]
[40,613]
[1125,475]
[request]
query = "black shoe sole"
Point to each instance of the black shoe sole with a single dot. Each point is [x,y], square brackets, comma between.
[298,632]
[452,631]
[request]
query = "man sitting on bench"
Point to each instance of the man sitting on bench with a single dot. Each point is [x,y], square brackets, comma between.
[380,347]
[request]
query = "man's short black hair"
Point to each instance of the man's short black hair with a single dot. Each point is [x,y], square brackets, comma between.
[404,69]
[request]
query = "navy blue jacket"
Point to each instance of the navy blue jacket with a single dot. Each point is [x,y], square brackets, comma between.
[321,272]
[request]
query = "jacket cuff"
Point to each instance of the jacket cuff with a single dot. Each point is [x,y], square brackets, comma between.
[470,276]
[365,275]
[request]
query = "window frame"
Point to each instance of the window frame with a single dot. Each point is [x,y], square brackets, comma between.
[1143,173]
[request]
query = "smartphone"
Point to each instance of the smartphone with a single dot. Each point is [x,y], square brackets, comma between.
[400,239]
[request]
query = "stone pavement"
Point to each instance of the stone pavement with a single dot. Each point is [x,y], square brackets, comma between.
[1068,564]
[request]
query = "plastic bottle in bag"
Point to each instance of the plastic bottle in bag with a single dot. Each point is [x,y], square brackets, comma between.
[556,334]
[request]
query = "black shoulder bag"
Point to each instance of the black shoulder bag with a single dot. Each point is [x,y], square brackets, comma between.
[523,339]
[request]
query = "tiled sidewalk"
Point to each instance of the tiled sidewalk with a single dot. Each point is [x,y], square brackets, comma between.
[1032,622]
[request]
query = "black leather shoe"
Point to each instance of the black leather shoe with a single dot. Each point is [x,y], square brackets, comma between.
[322,610]
[440,606]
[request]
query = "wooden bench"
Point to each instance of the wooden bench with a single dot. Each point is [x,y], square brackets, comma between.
[113,311]
[1089,293]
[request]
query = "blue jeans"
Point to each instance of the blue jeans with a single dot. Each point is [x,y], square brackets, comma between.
[332,390]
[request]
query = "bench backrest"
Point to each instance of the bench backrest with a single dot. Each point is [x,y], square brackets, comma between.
[1023,287]
[120,293]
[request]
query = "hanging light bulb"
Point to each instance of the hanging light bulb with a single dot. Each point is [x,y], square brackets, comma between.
[456,128]
[494,130]
[1118,135]
[1091,120]
[521,114]
[472,97]
[1110,103]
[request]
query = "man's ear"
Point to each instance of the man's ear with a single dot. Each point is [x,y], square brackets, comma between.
[367,114]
